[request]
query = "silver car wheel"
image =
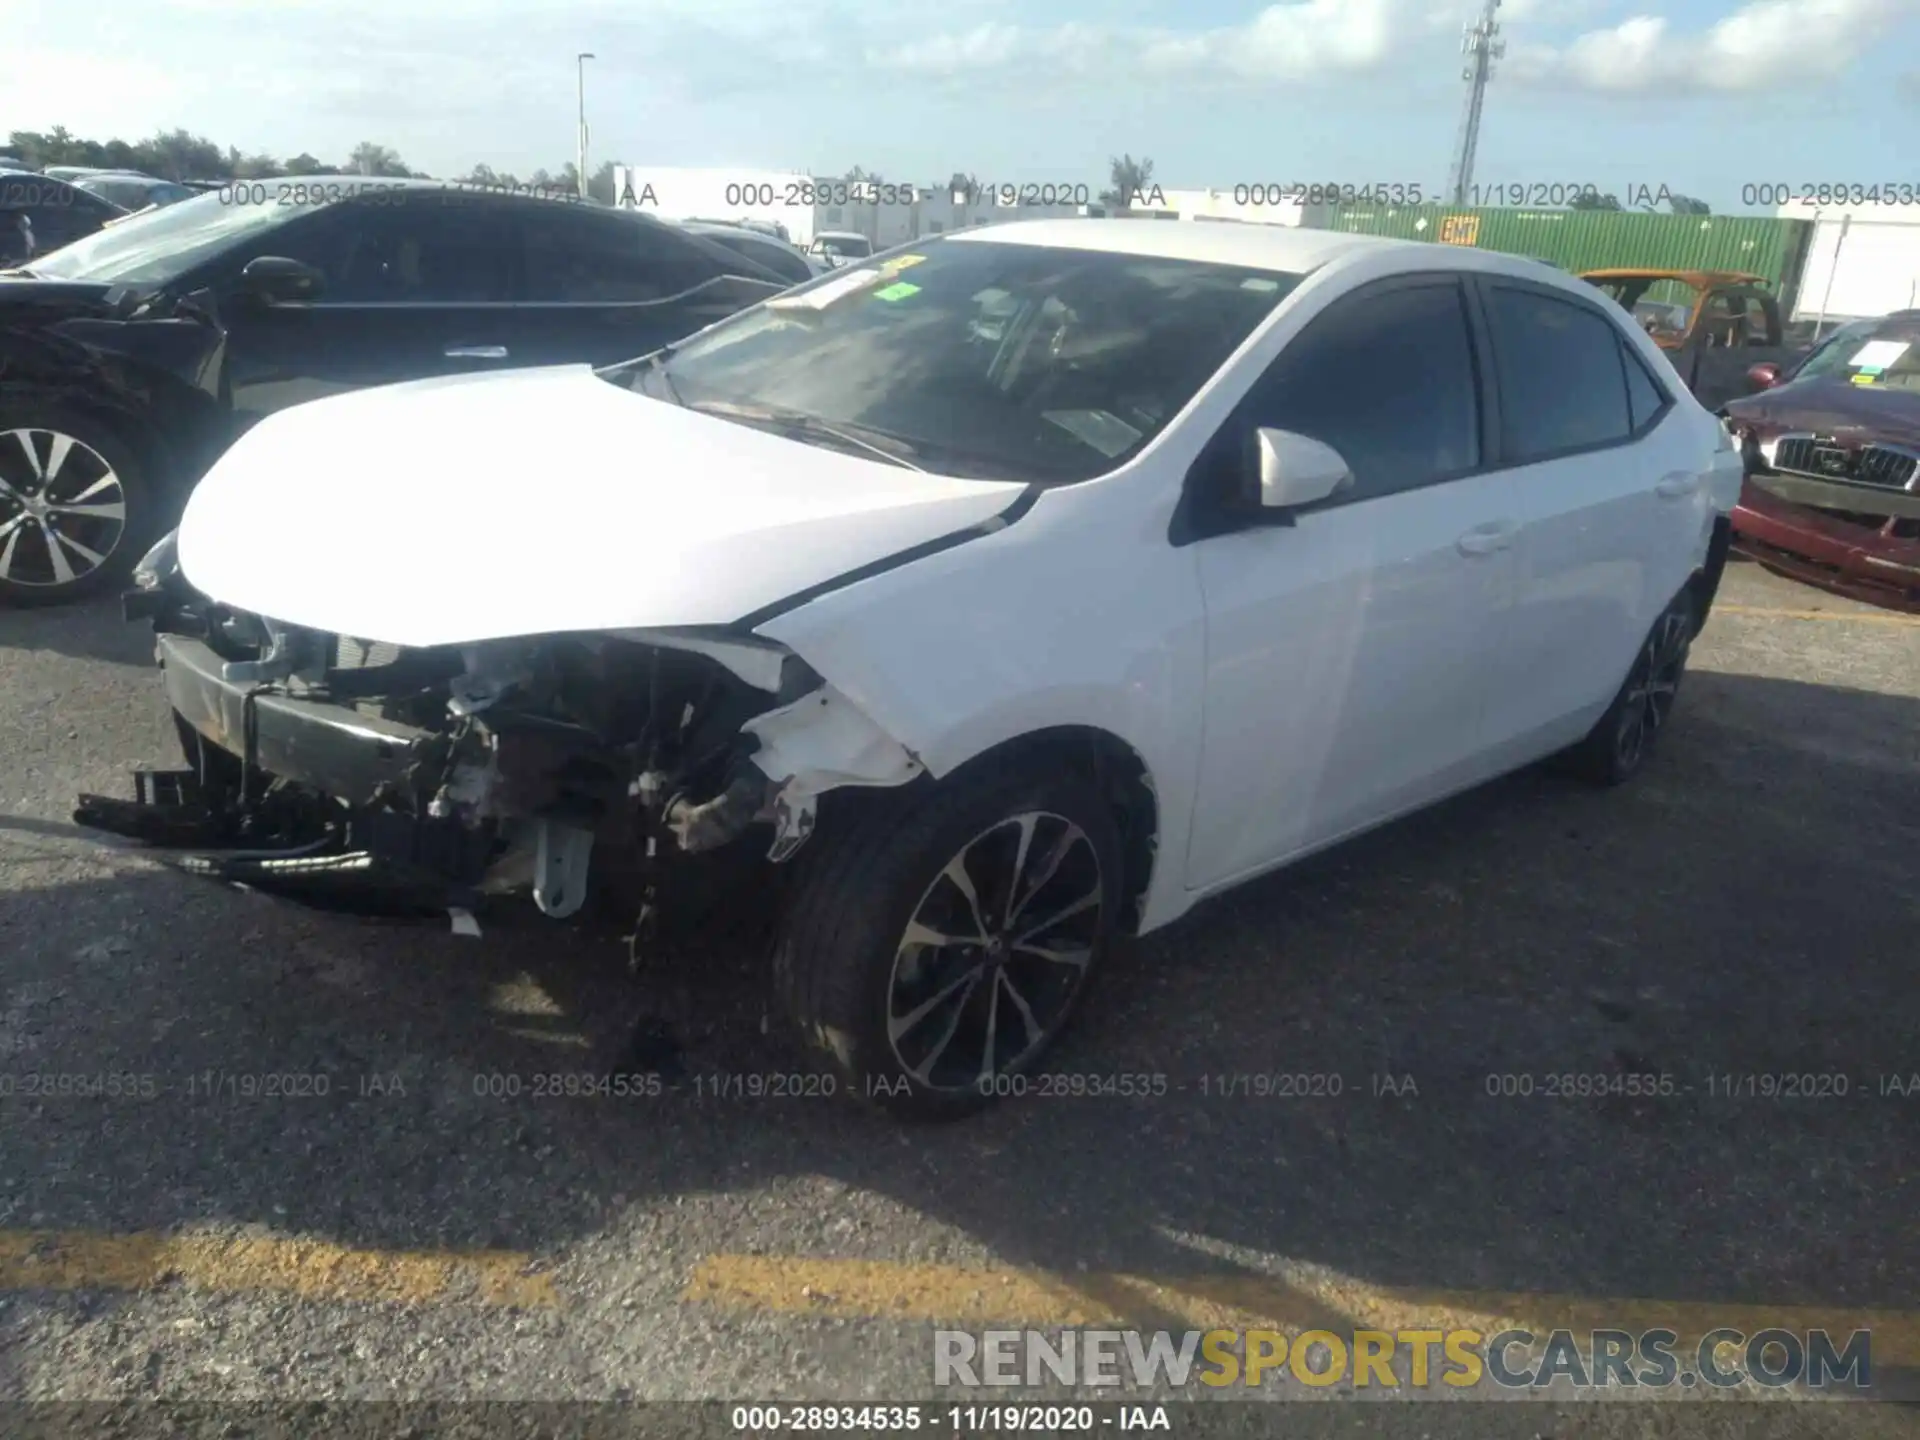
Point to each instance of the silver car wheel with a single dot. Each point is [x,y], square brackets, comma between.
[995,952]
[63,510]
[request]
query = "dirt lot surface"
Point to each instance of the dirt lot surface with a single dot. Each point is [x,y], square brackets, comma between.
[387,1221]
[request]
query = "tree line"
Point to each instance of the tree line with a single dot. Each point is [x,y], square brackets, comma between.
[181,155]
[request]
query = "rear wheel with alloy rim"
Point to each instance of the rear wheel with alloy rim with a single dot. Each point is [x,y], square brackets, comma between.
[1618,745]
[72,500]
[936,948]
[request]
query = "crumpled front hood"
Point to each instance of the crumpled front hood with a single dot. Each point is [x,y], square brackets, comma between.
[483,507]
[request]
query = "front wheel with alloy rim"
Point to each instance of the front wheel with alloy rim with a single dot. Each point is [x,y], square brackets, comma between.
[936,947]
[1620,742]
[72,503]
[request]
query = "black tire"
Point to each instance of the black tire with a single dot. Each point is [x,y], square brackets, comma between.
[83,552]
[843,946]
[1617,747]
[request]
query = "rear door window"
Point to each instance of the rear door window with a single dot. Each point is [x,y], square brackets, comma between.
[575,255]
[1562,386]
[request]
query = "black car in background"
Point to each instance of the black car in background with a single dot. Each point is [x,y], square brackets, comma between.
[56,214]
[131,359]
[785,260]
[133,192]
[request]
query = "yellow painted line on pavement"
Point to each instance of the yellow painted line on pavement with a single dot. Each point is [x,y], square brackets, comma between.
[311,1269]
[1864,617]
[882,1290]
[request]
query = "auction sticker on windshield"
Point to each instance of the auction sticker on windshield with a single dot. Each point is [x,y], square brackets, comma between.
[901,262]
[1878,354]
[899,291]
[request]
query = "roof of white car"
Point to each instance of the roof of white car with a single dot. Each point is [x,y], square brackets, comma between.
[1295,250]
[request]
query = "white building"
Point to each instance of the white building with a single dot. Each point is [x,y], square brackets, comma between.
[1244,204]
[1862,260]
[805,205]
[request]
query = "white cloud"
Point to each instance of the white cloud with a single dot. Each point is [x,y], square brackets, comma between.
[1287,41]
[1762,45]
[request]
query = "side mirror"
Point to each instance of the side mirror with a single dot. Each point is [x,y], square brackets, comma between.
[1297,470]
[277,280]
[1763,376]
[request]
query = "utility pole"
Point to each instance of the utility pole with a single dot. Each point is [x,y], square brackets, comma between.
[581,176]
[1482,46]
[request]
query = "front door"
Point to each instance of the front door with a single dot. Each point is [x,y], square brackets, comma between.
[412,289]
[1346,653]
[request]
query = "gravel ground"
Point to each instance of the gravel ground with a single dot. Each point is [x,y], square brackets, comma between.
[1745,907]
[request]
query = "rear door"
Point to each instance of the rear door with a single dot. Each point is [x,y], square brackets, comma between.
[599,286]
[1612,503]
[1347,653]
[417,283]
[1738,327]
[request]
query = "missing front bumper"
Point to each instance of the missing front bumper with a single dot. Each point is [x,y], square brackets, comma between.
[350,756]
[284,796]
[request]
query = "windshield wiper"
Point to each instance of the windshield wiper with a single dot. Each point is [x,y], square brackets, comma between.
[797,423]
[658,366]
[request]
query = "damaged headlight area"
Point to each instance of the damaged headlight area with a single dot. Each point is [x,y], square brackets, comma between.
[559,765]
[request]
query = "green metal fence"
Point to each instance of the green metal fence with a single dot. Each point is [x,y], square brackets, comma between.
[1579,240]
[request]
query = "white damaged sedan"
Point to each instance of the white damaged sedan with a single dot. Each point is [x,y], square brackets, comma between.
[976,605]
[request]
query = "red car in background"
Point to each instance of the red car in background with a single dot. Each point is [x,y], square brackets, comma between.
[1832,445]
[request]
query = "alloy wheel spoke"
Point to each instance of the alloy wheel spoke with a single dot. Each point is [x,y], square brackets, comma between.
[987,1067]
[1085,902]
[925,1073]
[13,533]
[900,1025]
[1076,956]
[956,872]
[106,482]
[62,567]
[56,457]
[1034,1028]
[1027,824]
[25,437]
[1049,867]
[926,937]
[114,511]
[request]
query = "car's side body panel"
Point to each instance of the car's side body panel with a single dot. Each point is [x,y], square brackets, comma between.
[1068,646]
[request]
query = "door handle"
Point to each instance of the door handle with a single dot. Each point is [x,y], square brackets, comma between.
[1486,539]
[1678,485]
[475,352]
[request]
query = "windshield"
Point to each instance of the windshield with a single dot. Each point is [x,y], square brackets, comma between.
[983,359]
[160,245]
[1874,354]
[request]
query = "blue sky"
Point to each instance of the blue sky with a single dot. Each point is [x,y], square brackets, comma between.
[1702,96]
